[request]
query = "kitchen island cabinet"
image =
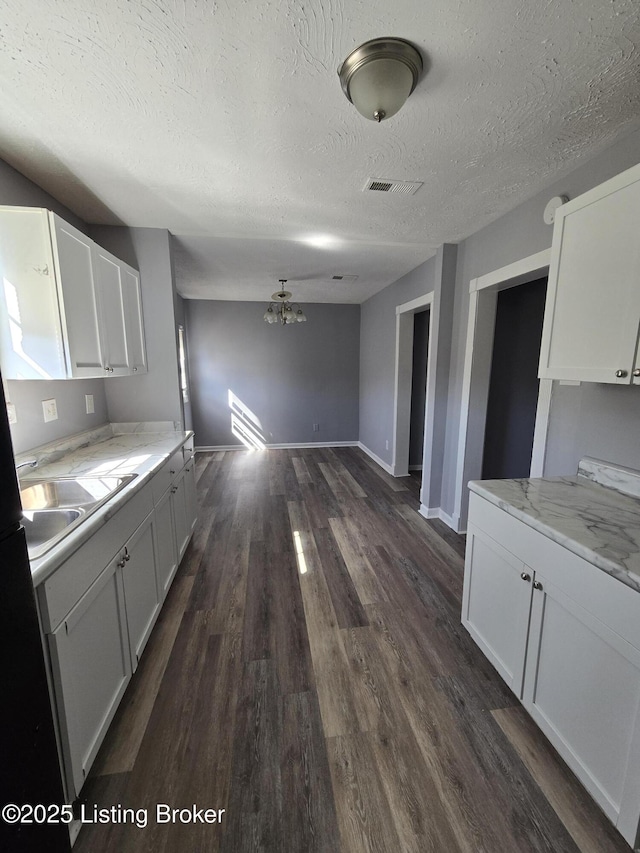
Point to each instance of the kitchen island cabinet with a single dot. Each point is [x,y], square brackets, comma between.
[564,631]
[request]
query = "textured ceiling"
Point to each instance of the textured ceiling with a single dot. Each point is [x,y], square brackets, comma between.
[225,122]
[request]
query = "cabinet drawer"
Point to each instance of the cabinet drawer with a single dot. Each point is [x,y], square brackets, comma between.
[163,479]
[608,599]
[59,593]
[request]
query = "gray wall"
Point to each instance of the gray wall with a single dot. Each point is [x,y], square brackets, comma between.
[377,357]
[289,377]
[27,395]
[154,396]
[607,416]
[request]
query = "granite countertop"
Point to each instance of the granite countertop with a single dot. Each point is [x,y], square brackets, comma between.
[107,454]
[598,522]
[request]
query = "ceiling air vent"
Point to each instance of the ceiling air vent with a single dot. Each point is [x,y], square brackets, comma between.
[381,185]
[346,278]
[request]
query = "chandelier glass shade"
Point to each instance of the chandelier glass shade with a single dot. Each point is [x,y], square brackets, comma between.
[281,310]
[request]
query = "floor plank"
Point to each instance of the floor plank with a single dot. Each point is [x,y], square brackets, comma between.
[309,676]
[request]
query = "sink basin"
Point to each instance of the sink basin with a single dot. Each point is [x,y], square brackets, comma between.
[65,492]
[53,507]
[45,527]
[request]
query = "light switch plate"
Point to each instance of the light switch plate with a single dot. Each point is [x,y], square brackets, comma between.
[50,410]
[11,413]
[88,399]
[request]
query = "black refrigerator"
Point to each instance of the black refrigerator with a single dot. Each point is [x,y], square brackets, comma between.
[29,768]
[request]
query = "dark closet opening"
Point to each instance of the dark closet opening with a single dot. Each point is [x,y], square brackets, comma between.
[418,391]
[513,386]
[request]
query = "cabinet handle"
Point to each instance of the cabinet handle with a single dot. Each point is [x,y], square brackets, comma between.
[636,372]
[171,471]
[121,564]
[622,373]
[109,369]
[135,369]
[127,555]
[525,577]
[537,585]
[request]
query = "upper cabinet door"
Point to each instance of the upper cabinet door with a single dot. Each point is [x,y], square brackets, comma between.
[31,341]
[109,274]
[593,298]
[133,319]
[79,303]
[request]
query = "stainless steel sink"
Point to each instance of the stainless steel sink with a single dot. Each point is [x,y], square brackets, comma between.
[53,507]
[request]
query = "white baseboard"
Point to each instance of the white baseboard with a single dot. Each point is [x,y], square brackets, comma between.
[210,448]
[438,512]
[386,467]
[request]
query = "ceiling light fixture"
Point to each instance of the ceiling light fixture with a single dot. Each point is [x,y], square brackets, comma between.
[283,311]
[379,76]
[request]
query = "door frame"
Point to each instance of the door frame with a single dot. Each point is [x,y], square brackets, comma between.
[483,297]
[402,389]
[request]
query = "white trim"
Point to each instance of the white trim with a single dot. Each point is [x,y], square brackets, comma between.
[541,428]
[415,467]
[438,512]
[475,378]
[384,465]
[403,376]
[415,305]
[519,272]
[209,448]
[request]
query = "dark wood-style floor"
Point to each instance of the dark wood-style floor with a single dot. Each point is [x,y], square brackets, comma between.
[309,674]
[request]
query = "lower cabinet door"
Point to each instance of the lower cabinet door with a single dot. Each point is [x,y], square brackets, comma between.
[191,499]
[166,555]
[91,668]
[496,605]
[582,687]
[182,525]
[140,587]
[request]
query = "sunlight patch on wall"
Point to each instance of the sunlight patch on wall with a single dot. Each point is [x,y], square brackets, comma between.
[245,424]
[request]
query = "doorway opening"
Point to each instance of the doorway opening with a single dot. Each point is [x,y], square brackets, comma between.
[513,384]
[418,393]
[481,325]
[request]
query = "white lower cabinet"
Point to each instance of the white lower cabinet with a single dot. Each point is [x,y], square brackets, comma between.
[138,565]
[97,618]
[91,667]
[565,636]
[167,562]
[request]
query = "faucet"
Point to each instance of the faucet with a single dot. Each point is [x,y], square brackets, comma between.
[30,463]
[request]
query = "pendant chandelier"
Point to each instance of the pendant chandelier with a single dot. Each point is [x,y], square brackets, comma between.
[282,311]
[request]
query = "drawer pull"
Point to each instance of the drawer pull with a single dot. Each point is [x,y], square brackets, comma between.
[171,471]
[636,372]
[525,577]
[537,585]
[621,373]
[127,555]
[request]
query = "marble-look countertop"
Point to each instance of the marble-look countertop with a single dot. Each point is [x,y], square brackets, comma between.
[596,522]
[140,453]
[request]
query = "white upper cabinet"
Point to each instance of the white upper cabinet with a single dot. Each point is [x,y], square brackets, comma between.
[133,319]
[68,308]
[592,313]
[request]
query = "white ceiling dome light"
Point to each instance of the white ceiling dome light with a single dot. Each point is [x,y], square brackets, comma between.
[379,76]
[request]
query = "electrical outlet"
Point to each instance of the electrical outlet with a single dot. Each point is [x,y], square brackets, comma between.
[88,399]
[50,410]
[11,413]
[316,427]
